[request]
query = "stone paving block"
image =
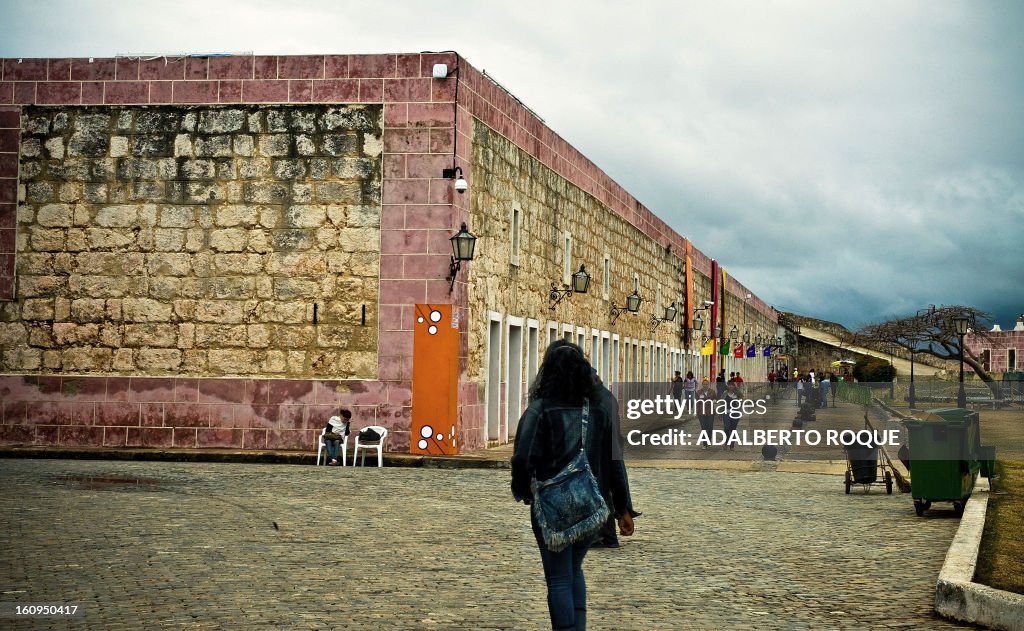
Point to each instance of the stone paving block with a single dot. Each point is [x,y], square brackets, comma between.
[173,545]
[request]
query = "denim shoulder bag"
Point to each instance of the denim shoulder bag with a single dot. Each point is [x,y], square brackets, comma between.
[569,506]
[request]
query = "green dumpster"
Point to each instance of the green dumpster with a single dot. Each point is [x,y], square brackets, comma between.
[987,455]
[945,452]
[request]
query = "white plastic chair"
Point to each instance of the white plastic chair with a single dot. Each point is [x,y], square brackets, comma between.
[376,444]
[321,448]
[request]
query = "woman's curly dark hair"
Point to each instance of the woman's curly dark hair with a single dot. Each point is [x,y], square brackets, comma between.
[564,375]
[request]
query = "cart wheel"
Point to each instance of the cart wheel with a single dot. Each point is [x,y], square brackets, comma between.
[888,483]
[958,508]
[919,508]
[847,482]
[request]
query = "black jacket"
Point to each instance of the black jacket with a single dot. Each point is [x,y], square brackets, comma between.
[548,438]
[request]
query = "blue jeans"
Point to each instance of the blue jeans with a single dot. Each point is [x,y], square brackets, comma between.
[824,397]
[729,424]
[567,590]
[332,447]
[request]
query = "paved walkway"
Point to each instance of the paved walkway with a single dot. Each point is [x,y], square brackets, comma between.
[164,545]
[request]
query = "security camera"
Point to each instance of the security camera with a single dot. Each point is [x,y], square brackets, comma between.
[461,185]
[708,303]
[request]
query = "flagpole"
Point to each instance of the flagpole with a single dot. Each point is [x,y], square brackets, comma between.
[714,318]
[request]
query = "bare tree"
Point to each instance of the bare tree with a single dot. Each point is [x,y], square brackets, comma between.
[932,331]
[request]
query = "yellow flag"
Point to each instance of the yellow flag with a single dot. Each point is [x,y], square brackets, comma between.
[708,348]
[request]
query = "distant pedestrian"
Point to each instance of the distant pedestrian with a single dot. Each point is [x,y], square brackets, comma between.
[799,392]
[705,405]
[720,384]
[677,386]
[731,418]
[689,386]
[823,393]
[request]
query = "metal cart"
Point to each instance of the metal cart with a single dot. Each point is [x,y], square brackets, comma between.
[864,467]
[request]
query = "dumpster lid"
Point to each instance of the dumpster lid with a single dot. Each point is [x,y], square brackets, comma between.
[949,415]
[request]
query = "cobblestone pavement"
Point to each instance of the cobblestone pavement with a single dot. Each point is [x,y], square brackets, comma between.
[194,546]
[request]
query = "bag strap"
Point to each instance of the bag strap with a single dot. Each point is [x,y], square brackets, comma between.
[583,434]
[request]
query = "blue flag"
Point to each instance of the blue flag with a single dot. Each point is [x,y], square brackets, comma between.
[767,351]
[752,351]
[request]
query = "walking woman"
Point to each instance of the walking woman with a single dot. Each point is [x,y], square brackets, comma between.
[705,405]
[549,437]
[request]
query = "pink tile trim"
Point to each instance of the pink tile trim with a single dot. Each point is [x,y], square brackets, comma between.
[231,67]
[230,91]
[126,69]
[195,91]
[265,67]
[335,90]
[301,67]
[118,92]
[373,65]
[64,92]
[300,91]
[59,70]
[265,91]
[24,92]
[96,70]
[162,68]
[25,70]
[161,92]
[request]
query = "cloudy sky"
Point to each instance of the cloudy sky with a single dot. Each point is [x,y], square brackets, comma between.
[846,160]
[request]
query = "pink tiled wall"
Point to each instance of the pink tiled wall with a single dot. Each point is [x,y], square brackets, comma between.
[189,413]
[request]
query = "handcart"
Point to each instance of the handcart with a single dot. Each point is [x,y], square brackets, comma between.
[864,467]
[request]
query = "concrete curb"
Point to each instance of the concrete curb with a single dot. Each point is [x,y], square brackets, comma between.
[957,596]
[246,456]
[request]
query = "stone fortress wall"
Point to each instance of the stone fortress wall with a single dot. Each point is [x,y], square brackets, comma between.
[221,251]
[198,241]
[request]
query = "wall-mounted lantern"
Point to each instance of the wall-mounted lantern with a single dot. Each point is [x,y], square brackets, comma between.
[463,248]
[580,284]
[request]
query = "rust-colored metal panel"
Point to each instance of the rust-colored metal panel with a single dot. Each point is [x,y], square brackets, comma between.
[435,380]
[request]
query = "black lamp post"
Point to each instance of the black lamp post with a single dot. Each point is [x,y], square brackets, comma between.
[892,380]
[734,333]
[960,323]
[912,397]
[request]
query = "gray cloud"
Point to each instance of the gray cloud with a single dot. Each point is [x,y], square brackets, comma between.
[846,160]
